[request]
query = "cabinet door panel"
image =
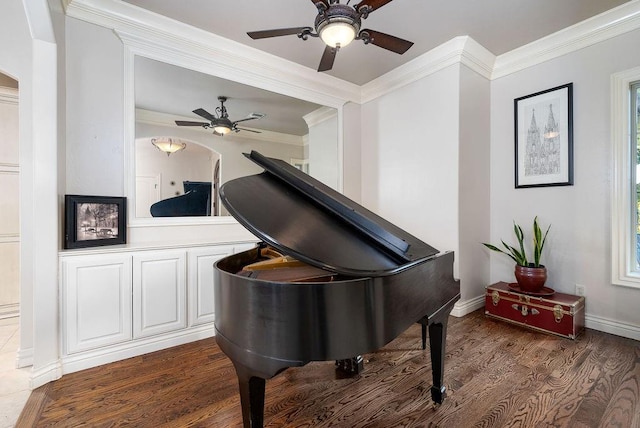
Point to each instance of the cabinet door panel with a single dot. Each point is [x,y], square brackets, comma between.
[201,263]
[97,299]
[159,292]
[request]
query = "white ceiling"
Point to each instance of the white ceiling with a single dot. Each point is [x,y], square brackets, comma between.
[498,25]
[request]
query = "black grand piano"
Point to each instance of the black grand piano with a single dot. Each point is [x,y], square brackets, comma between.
[347,283]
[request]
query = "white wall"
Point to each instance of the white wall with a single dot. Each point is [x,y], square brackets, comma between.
[351,149]
[95,110]
[323,147]
[578,248]
[474,173]
[410,149]
[28,54]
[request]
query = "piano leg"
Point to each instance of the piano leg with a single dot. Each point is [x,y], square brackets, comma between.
[437,339]
[251,397]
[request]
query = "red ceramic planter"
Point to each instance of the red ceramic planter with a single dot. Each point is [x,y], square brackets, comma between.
[531,279]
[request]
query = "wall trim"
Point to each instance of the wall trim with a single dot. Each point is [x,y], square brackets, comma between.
[244,64]
[232,60]
[599,28]
[45,374]
[465,307]
[8,95]
[24,358]
[318,116]
[11,310]
[610,326]
[109,354]
[459,50]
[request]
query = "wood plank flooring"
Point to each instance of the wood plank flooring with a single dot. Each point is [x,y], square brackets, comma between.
[497,375]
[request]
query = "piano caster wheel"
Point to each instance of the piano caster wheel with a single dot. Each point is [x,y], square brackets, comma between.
[350,366]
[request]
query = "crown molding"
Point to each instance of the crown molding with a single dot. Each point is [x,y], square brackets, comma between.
[459,50]
[599,28]
[203,51]
[182,43]
[319,116]
[168,120]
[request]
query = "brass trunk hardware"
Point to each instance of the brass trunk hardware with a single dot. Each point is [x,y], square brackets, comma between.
[495,297]
[558,313]
[524,310]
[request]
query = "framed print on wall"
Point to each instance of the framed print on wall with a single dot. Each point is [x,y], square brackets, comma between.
[92,221]
[544,138]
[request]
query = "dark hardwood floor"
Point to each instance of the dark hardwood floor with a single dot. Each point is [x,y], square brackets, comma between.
[497,375]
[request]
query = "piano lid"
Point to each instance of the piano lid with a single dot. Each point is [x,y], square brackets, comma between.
[308,220]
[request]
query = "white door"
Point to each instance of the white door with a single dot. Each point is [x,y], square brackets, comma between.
[159,292]
[147,193]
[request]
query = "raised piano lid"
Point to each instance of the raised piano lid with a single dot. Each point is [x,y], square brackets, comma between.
[308,220]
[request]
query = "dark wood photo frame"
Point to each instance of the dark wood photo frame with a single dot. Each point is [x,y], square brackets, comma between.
[92,221]
[544,138]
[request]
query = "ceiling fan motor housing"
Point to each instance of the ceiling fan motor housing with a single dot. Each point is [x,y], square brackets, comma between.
[338,14]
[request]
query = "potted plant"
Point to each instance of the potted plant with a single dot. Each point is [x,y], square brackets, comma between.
[530,275]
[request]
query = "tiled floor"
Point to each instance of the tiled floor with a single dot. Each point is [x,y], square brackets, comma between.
[14,383]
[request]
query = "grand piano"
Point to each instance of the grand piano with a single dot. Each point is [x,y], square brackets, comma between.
[196,201]
[343,282]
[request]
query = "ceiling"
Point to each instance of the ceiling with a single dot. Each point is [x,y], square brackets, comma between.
[498,25]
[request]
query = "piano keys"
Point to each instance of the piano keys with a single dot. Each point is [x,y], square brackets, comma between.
[364,281]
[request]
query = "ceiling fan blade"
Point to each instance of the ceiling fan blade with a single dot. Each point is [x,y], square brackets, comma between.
[371,4]
[386,41]
[324,2]
[203,113]
[245,129]
[189,123]
[328,57]
[245,119]
[263,34]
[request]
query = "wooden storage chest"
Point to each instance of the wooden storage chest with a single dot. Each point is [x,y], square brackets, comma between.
[558,313]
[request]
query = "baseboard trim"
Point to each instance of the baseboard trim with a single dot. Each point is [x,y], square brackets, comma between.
[462,308]
[24,358]
[592,322]
[109,354]
[44,375]
[617,328]
[10,311]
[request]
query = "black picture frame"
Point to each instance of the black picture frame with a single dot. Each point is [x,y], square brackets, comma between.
[544,138]
[93,221]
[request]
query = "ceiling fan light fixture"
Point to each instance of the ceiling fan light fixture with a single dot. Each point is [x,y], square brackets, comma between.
[222,126]
[338,33]
[222,129]
[168,145]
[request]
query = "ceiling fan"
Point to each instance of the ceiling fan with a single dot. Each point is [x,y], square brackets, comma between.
[338,25]
[221,124]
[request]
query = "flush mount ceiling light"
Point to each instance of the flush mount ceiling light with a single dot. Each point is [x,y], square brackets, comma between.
[168,145]
[338,25]
[221,123]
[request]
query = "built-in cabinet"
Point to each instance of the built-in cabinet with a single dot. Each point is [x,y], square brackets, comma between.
[117,304]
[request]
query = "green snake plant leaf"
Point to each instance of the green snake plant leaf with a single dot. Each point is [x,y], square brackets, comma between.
[519,255]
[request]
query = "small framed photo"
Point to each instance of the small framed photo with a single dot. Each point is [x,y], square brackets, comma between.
[544,138]
[92,221]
